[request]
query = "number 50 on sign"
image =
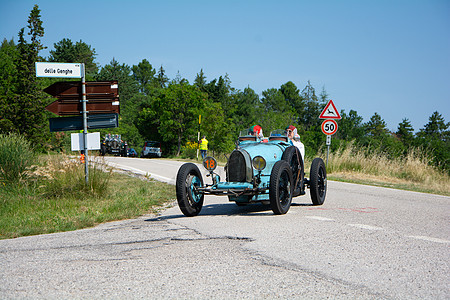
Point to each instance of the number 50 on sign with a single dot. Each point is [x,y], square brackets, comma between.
[329,127]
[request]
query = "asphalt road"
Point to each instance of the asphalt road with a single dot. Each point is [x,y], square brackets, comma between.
[363,243]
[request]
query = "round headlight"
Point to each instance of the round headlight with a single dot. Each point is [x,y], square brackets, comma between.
[210,163]
[259,163]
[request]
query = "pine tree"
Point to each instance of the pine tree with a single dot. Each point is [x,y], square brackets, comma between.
[25,112]
[200,80]
[161,78]
[405,132]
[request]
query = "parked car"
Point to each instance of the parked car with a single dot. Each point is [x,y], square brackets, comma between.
[151,149]
[113,144]
[270,171]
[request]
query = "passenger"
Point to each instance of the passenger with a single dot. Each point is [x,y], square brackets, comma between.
[294,139]
[256,130]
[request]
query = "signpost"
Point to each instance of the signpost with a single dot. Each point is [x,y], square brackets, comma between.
[329,126]
[73,100]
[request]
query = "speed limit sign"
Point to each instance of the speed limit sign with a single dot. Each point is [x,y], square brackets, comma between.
[329,127]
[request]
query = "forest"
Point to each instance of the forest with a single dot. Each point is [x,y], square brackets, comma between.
[155,107]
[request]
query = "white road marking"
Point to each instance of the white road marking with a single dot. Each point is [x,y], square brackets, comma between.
[363,226]
[430,239]
[154,176]
[319,218]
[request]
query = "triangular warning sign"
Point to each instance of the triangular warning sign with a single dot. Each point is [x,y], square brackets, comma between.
[330,112]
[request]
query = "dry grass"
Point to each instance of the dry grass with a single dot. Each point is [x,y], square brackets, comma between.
[412,171]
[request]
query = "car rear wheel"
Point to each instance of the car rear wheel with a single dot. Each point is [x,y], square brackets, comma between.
[280,188]
[189,200]
[318,181]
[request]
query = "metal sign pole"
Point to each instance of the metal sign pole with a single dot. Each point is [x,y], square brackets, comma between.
[83,91]
[328,147]
[198,133]
[328,150]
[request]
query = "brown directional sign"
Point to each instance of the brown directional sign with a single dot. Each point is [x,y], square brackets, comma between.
[66,90]
[102,97]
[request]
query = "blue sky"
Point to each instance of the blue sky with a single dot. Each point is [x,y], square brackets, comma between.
[390,57]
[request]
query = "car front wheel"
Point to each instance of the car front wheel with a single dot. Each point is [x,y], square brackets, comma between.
[189,199]
[281,188]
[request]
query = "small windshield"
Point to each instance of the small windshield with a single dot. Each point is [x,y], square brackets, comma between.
[246,133]
[278,132]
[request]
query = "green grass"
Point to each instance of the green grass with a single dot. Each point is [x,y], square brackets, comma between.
[52,202]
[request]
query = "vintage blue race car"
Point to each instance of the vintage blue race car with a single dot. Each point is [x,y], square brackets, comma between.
[270,171]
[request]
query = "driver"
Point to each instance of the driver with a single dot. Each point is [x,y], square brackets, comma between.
[294,139]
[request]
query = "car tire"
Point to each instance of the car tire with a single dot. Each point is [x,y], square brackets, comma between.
[189,201]
[281,188]
[318,181]
[294,159]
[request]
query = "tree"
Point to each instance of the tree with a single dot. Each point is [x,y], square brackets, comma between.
[435,136]
[128,86]
[200,80]
[218,130]
[67,51]
[8,88]
[23,102]
[405,132]
[248,105]
[144,74]
[173,115]
[161,79]
[350,126]
[376,127]
[436,128]
[292,96]
[273,101]
[275,113]
[36,31]
[310,117]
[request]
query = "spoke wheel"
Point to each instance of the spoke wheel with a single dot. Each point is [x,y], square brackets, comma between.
[189,199]
[280,188]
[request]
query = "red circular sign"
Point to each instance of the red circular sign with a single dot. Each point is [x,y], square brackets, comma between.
[329,127]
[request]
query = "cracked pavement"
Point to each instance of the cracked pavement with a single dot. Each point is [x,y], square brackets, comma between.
[150,257]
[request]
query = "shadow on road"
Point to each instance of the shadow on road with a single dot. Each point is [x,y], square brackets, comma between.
[229,209]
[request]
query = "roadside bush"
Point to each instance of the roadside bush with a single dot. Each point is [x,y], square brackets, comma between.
[16,157]
[189,150]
